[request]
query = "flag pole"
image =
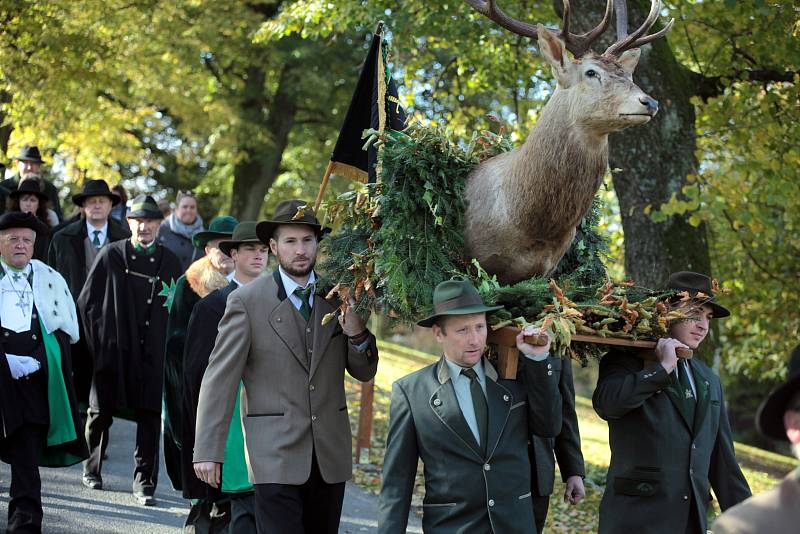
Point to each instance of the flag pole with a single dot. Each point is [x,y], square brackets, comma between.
[323,185]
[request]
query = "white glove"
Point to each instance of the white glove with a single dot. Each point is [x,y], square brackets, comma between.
[21,365]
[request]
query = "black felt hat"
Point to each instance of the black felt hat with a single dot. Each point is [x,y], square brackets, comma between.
[29,186]
[30,153]
[245,232]
[95,188]
[290,212]
[144,207]
[19,219]
[695,283]
[769,417]
[456,297]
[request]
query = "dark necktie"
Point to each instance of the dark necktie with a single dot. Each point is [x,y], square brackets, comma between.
[96,241]
[686,388]
[479,405]
[304,293]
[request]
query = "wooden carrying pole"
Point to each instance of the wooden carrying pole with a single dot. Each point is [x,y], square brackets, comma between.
[324,185]
[505,339]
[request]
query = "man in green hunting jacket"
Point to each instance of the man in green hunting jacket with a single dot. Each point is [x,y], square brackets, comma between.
[668,428]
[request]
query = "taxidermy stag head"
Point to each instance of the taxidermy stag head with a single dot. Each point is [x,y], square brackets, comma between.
[523,206]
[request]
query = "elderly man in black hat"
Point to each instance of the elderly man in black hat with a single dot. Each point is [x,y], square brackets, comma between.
[203,276]
[38,411]
[29,164]
[668,427]
[777,510]
[233,501]
[73,250]
[272,339]
[123,306]
[469,427]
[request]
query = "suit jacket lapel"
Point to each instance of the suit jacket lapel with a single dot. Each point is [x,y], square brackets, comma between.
[499,400]
[702,385]
[444,404]
[322,333]
[676,396]
[281,321]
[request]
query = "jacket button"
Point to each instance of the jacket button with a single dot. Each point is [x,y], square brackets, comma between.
[133,256]
[311,387]
[34,336]
[491,502]
[487,467]
[313,417]
[694,446]
[308,330]
[685,497]
[505,398]
[691,471]
[549,366]
[549,373]
[277,319]
[436,402]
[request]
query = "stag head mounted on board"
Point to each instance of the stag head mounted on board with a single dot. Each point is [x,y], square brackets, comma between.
[602,92]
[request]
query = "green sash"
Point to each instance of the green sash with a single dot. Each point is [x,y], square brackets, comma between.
[234,471]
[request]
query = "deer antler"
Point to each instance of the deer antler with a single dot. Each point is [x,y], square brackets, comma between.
[635,39]
[578,44]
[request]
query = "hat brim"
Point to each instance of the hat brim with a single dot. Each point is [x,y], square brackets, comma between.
[466,310]
[17,193]
[30,159]
[769,417]
[265,229]
[80,197]
[145,214]
[201,239]
[227,246]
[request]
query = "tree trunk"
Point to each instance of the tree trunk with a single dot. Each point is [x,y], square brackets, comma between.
[653,160]
[255,173]
[5,129]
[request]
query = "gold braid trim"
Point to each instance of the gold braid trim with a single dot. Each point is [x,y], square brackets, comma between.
[350,172]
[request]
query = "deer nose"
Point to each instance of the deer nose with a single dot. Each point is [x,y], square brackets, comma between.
[650,103]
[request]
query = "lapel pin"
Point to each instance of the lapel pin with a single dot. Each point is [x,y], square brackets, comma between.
[688,393]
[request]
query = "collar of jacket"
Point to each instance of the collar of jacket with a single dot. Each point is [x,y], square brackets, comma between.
[443,372]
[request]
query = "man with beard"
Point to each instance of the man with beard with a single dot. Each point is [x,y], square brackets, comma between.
[233,502]
[72,252]
[122,306]
[292,366]
[29,163]
[38,412]
[212,271]
[668,427]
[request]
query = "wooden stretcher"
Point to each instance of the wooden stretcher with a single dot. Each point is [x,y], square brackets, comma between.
[504,341]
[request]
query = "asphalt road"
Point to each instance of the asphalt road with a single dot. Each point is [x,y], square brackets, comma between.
[71,508]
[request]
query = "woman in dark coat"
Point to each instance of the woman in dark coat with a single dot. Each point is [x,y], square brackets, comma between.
[29,198]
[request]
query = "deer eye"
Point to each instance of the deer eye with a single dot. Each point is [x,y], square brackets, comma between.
[591,73]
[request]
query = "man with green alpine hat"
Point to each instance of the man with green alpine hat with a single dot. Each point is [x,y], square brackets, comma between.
[212,271]
[469,427]
[668,426]
[38,411]
[232,502]
[123,309]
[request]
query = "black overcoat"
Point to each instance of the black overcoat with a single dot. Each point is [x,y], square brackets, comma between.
[67,256]
[128,374]
[200,339]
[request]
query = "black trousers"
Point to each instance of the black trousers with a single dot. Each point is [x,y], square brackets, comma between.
[541,505]
[313,507]
[22,449]
[145,454]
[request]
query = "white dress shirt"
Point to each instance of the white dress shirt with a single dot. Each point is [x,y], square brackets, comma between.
[290,285]
[90,230]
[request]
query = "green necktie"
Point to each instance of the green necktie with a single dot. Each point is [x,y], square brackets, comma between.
[304,293]
[686,388]
[479,405]
[96,241]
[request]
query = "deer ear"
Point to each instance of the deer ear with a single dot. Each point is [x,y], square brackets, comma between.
[629,59]
[553,50]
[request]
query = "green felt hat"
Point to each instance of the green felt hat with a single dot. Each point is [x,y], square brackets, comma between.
[456,297]
[144,207]
[218,228]
[245,232]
